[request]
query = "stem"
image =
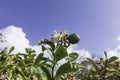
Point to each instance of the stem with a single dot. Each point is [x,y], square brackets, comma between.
[53,72]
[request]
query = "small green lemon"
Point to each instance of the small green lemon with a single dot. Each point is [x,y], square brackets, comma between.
[73,38]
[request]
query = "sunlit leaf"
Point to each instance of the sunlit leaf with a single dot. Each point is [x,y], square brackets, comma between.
[60,53]
[50,51]
[11,49]
[20,71]
[43,48]
[101,60]
[73,56]
[39,57]
[106,62]
[76,66]
[45,41]
[113,58]
[92,62]
[65,68]
[105,53]
[44,72]
[29,50]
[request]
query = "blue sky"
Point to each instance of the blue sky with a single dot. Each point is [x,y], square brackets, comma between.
[97,22]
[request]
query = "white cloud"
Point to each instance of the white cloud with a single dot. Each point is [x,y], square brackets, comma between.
[82,53]
[16,37]
[115,51]
[118,39]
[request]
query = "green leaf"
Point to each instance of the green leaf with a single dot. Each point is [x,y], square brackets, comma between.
[101,60]
[60,53]
[114,58]
[108,75]
[46,59]
[33,55]
[45,41]
[44,72]
[11,49]
[50,51]
[105,53]
[48,65]
[92,62]
[43,48]
[38,59]
[112,70]
[76,66]
[68,67]
[106,62]
[73,56]
[65,68]
[10,74]
[29,50]
[20,71]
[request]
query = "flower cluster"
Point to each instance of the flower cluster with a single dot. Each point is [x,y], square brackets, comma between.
[56,37]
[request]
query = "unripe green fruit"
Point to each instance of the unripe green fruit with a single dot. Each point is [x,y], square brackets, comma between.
[73,38]
[93,70]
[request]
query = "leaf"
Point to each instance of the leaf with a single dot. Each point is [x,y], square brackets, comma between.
[44,72]
[42,60]
[106,62]
[10,74]
[114,58]
[76,66]
[92,62]
[68,67]
[20,71]
[60,53]
[50,51]
[45,41]
[33,55]
[43,48]
[65,68]
[101,60]
[73,56]
[108,75]
[46,59]
[39,57]
[112,70]
[29,50]
[11,49]
[105,53]
[48,66]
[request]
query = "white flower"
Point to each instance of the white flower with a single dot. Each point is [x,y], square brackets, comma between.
[55,37]
[63,35]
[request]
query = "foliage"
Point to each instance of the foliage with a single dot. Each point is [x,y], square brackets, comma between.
[2,38]
[103,69]
[32,66]
[58,50]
